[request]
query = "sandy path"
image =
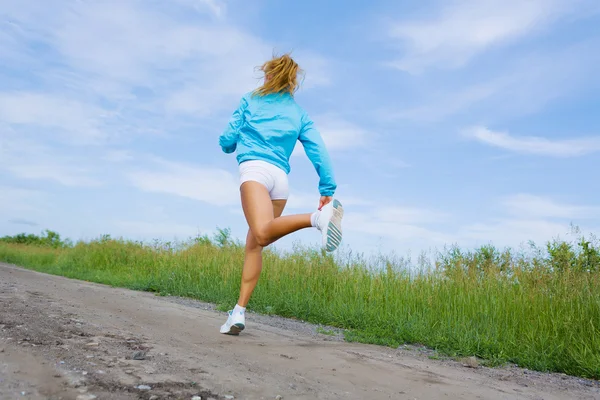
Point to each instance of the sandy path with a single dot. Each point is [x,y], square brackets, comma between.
[62,338]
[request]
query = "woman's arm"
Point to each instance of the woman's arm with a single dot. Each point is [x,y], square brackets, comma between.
[317,153]
[229,138]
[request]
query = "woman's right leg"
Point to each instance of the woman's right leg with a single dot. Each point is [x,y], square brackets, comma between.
[258,210]
[253,260]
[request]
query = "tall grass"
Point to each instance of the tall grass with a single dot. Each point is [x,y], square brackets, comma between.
[539,309]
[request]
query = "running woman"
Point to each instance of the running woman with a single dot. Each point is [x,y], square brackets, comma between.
[264,131]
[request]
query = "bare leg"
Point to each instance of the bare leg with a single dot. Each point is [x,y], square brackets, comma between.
[253,260]
[258,210]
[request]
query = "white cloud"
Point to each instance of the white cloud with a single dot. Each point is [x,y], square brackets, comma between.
[465,28]
[317,69]
[63,174]
[532,206]
[216,7]
[207,184]
[535,145]
[519,219]
[444,103]
[526,217]
[400,224]
[302,201]
[30,159]
[512,232]
[126,69]
[338,134]
[515,85]
[196,67]
[71,118]
[409,215]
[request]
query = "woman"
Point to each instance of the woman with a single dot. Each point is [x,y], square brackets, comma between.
[264,131]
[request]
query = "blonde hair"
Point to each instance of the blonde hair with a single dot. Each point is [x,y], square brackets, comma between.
[281,76]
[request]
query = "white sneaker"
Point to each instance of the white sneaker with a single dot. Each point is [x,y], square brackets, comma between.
[235,323]
[329,222]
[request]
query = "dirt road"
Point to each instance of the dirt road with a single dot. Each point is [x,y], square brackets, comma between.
[62,338]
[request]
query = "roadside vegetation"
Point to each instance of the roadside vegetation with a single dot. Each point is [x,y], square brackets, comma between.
[538,307]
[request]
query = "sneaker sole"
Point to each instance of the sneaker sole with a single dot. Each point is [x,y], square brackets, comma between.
[235,329]
[334,228]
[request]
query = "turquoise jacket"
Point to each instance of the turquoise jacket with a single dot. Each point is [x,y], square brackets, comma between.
[268,127]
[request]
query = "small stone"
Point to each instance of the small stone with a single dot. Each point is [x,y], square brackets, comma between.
[470,362]
[93,344]
[279,397]
[153,397]
[228,397]
[1,350]
[23,393]
[139,355]
[84,373]
[86,397]
[143,387]
[196,398]
[129,371]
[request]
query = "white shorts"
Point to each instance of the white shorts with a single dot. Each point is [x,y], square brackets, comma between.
[273,178]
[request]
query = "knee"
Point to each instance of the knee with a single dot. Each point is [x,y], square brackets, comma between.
[255,241]
[262,239]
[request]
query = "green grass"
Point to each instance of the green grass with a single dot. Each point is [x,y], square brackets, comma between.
[539,309]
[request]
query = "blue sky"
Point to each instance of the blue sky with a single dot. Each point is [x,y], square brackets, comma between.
[466,122]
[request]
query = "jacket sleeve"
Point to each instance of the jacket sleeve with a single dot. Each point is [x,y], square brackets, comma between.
[317,154]
[229,138]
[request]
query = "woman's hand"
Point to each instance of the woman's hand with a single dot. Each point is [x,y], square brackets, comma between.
[324,201]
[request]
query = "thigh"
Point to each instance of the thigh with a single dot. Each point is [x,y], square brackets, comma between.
[257,205]
[278,206]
